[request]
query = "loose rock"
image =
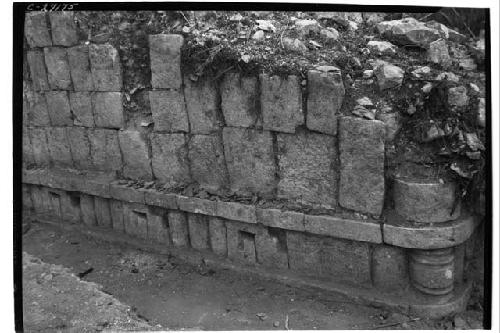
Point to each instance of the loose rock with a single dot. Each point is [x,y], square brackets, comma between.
[457,96]
[381,47]
[389,76]
[294,45]
[438,52]
[330,34]
[408,31]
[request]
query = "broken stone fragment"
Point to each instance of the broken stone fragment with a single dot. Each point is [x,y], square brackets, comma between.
[392,125]
[389,76]
[258,35]
[363,112]
[421,70]
[467,63]
[367,74]
[481,113]
[330,34]
[305,27]
[438,52]
[457,96]
[448,76]
[473,142]
[408,31]
[265,25]
[381,47]
[294,44]
[433,133]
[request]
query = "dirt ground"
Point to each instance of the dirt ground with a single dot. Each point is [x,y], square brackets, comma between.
[166,294]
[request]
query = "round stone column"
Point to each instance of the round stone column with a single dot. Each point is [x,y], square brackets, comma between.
[433,271]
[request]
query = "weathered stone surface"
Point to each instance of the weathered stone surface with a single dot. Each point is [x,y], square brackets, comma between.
[38,72]
[362,165]
[236,211]
[388,76]
[324,99]
[80,147]
[40,198]
[81,108]
[208,167]
[136,161]
[88,211]
[108,109]
[60,152]
[70,207]
[307,168]
[79,64]
[343,228]
[158,229]
[103,212]
[38,114]
[304,252]
[38,138]
[217,234]
[135,220]
[241,242]
[294,45]
[105,67]
[457,96]
[390,268]
[55,202]
[58,73]
[281,219]
[381,47]
[58,108]
[178,228]
[127,193]
[105,149]
[271,247]
[169,161]
[160,199]
[36,29]
[438,52]
[443,235]
[240,100]
[198,231]
[116,208]
[250,160]
[432,271]
[425,201]
[281,103]
[197,205]
[63,28]
[28,157]
[169,112]
[392,124]
[27,201]
[202,104]
[408,31]
[165,55]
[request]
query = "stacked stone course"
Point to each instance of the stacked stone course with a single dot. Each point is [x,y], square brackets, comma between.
[251,137]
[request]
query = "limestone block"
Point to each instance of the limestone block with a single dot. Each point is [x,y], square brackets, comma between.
[304,253]
[250,160]
[38,138]
[236,211]
[217,234]
[165,56]
[308,168]
[108,109]
[80,147]
[38,113]
[198,231]
[36,29]
[197,205]
[81,108]
[58,73]
[325,94]
[59,149]
[58,108]
[271,247]
[388,76]
[343,228]
[103,212]
[202,104]
[281,103]
[105,149]
[208,166]
[79,64]
[40,197]
[158,230]
[88,210]
[136,161]
[70,207]
[38,72]
[178,228]
[126,193]
[63,28]
[160,199]
[425,201]
[362,165]
[135,220]
[241,242]
[105,67]
[390,268]
[117,219]
[281,219]
[240,100]
[169,160]
[169,113]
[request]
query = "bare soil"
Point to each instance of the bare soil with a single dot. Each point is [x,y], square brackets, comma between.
[171,295]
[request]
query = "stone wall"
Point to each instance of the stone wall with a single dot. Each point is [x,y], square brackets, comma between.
[263,170]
